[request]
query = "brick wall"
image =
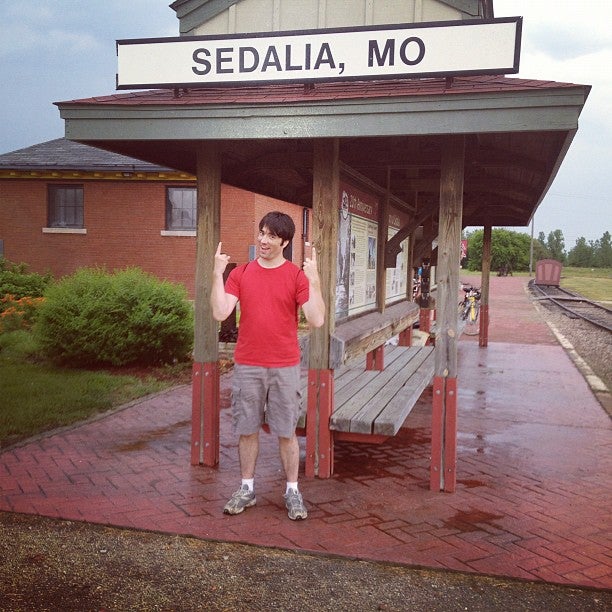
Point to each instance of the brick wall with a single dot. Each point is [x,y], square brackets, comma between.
[124,221]
[238,222]
[21,220]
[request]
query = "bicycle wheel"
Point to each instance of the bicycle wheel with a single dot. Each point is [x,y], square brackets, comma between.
[472,325]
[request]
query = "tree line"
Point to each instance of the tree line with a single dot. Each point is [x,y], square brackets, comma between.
[512,250]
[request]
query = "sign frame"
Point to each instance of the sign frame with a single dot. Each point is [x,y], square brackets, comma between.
[414,50]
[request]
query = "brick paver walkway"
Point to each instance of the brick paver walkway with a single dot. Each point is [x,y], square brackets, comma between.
[534,472]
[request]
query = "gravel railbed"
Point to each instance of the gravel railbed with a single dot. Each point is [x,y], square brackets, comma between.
[592,344]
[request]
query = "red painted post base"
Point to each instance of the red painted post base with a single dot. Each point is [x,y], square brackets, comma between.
[483,337]
[375,359]
[319,438]
[205,414]
[443,471]
[425,319]
[405,337]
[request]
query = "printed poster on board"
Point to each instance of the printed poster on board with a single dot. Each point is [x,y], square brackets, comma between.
[397,278]
[358,253]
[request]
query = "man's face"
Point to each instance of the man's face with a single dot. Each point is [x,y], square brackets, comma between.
[270,245]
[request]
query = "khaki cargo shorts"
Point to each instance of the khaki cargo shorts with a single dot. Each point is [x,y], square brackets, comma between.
[266,395]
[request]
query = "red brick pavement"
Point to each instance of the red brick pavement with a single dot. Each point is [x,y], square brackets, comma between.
[534,472]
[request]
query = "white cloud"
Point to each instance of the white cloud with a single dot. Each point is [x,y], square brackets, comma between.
[73,42]
[41,35]
[17,38]
[79,26]
[27,10]
[585,15]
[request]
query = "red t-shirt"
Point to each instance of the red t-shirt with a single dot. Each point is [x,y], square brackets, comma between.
[269,301]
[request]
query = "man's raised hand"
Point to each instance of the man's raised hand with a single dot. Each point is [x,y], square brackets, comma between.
[221,260]
[314,308]
[310,265]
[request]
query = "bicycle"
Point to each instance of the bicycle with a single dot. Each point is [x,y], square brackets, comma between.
[469,309]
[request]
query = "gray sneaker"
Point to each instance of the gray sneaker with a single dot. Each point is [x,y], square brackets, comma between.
[241,499]
[296,510]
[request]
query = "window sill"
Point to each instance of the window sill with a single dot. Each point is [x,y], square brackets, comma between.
[178,233]
[64,230]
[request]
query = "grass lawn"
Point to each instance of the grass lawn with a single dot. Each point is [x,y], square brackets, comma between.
[36,397]
[594,283]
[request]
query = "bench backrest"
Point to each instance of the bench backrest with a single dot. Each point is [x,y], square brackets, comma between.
[354,338]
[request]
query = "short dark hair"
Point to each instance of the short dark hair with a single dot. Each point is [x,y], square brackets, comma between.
[280,224]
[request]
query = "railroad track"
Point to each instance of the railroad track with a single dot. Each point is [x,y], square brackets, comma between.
[574,305]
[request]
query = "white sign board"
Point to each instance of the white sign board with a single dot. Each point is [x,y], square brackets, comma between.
[408,50]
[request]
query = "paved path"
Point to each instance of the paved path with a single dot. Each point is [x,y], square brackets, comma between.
[534,471]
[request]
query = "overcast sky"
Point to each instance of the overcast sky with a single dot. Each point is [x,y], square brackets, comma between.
[53,50]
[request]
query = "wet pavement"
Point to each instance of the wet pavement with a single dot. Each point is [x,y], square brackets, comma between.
[533,488]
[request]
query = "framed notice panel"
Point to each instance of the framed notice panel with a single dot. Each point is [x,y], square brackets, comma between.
[358,253]
[397,278]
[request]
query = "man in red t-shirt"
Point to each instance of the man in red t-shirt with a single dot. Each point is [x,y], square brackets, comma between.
[267,356]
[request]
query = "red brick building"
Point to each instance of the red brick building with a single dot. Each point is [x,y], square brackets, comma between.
[65,205]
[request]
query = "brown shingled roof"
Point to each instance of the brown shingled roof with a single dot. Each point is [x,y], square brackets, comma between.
[346,90]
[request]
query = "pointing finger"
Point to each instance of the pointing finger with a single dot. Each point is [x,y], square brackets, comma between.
[219,249]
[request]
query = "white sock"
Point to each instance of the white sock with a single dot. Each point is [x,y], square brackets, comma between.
[249,482]
[292,485]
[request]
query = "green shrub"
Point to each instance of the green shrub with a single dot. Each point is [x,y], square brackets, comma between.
[18,344]
[129,317]
[17,282]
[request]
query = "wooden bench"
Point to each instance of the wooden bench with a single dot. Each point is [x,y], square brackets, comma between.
[376,383]
[376,403]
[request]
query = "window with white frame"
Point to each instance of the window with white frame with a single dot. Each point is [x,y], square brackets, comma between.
[181,208]
[65,206]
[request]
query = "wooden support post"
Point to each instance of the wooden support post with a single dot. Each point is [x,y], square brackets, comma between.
[410,266]
[205,413]
[483,330]
[383,235]
[393,244]
[375,359]
[444,435]
[319,438]
[325,204]
[444,417]
[405,337]
[483,336]
[205,383]
[425,319]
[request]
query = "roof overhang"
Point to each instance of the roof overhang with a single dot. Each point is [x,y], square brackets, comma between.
[391,134]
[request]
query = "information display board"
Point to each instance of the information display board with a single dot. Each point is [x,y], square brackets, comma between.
[358,253]
[397,278]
